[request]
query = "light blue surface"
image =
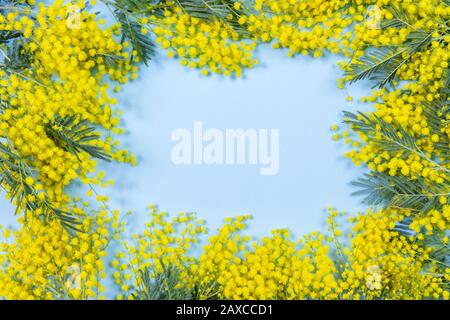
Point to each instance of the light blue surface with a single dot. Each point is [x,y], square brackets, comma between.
[297,96]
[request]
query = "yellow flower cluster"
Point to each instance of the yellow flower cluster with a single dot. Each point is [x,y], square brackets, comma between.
[69,66]
[433,222]
[303,27]
[164,242]
[69,63]
[377,263]
[44,261]
[209,46]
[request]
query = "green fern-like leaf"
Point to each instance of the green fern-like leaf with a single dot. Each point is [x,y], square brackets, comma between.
[75,136]
[401,18]
[165,285]
[381,66]
[439,250]
[15,59]
[418,40]
[131,31]
[435,114]
[380,189]
[6,36]
[210,10]
[447,83]
[205,9]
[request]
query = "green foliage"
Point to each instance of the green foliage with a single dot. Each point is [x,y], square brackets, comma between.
[127,13]
[440,250]
[447,83]
[15,59]
[165,285]
[437,115]
[6,36]
[75,136]
[133,6]
[418,40]
[112,61]
[401,19]
[380,65]
[12,56]
[400,192]
[210,10]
